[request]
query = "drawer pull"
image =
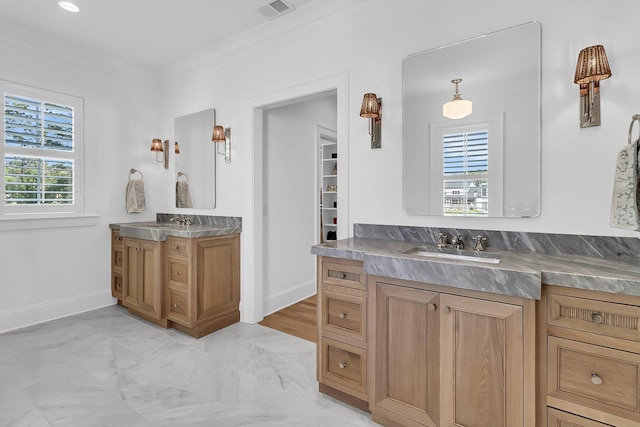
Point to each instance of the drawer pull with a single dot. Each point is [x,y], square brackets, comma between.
[431,307]
[176,305]
[342,364]
[343,275]
[595,378]
[596,318]
[342,315]
[119,285]
[177,272]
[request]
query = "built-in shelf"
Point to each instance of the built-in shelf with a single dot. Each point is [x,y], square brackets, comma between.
[328,168]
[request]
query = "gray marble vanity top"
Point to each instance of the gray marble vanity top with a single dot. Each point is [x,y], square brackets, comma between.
[519,273]
[202,226]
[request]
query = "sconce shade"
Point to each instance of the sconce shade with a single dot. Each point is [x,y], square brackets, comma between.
[156,144]
[218,134]
[592,65]
[457,108]
[370,107]
[177,148]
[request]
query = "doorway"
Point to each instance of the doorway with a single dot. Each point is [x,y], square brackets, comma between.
[258,297]
[291,196]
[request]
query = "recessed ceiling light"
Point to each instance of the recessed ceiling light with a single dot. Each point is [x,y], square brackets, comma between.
[67,5]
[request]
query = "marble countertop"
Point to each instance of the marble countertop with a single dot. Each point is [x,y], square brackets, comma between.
[519,274]
[159,231]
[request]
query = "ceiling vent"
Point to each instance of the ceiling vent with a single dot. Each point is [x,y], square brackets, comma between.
[275,9]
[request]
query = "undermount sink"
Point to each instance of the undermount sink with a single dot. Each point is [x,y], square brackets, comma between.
[455,254]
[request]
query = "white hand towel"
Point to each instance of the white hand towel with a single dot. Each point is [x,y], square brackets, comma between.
[183,195]
[625,208]
[135,196]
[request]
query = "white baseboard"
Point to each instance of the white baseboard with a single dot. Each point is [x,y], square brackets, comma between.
[292,295]
[51,310]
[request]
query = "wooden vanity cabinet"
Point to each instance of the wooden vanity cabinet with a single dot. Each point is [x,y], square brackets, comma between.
[203,283]
[449,357]
[117,261]
[142,279]
[342,359]
[591,343]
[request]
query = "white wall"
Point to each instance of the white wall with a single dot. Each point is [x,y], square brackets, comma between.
[291,198]
[577,164]
[53,272]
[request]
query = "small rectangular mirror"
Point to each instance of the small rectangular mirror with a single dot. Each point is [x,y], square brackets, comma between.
[196,162]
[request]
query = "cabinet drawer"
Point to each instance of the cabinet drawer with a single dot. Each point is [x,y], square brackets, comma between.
[557,418]
[178,273]
[598,317]
[343,273]
[117,255]
[344,314]
[116,238]
[594,376]
[116,285]
[344,367]
[177,306]
[177,246]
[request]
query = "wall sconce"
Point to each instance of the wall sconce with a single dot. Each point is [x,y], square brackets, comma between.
[161,147]
[592,67]
[372,109]
[221,134]
[457,108]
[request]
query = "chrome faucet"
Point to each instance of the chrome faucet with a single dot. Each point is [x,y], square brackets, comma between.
[480,244]
[442,241]
[457,241]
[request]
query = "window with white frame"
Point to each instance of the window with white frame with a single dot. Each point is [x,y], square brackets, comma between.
[467,155]
[41,150]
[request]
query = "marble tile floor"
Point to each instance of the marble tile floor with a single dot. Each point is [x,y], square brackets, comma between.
[108,368]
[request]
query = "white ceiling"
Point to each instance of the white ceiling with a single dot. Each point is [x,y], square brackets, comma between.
[149,33]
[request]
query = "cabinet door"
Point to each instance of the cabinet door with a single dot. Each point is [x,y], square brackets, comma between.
[482,375]
[218,277]
[131,297]
[142,276]
[150,278]
[406,355]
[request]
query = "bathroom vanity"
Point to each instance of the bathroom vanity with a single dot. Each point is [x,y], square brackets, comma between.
[185,276]
[549,335]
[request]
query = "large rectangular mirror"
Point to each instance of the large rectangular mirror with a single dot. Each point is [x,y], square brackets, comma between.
[196,162]
[487,163]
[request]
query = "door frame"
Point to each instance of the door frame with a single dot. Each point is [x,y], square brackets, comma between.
[252,291]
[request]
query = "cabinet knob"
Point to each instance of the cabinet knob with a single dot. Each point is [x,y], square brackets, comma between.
[595,378]
[176,305]
[596,318]
[446,309]
[431,307]
[343,275]
[342,315]
[119,259]
[342,364]
[177,272]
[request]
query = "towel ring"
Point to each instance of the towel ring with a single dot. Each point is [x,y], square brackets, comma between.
[182,174]
[634,118]
[132,171]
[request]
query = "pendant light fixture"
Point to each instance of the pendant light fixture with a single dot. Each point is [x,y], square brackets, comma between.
[457,108]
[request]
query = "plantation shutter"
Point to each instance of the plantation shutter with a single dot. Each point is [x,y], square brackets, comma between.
[39,152]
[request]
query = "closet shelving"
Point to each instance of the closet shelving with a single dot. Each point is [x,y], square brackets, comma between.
[329,189]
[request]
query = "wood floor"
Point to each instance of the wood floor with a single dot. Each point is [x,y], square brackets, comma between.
[298,319]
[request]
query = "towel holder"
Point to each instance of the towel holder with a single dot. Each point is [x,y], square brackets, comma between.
[634,118]
[182,174]
[133,171]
